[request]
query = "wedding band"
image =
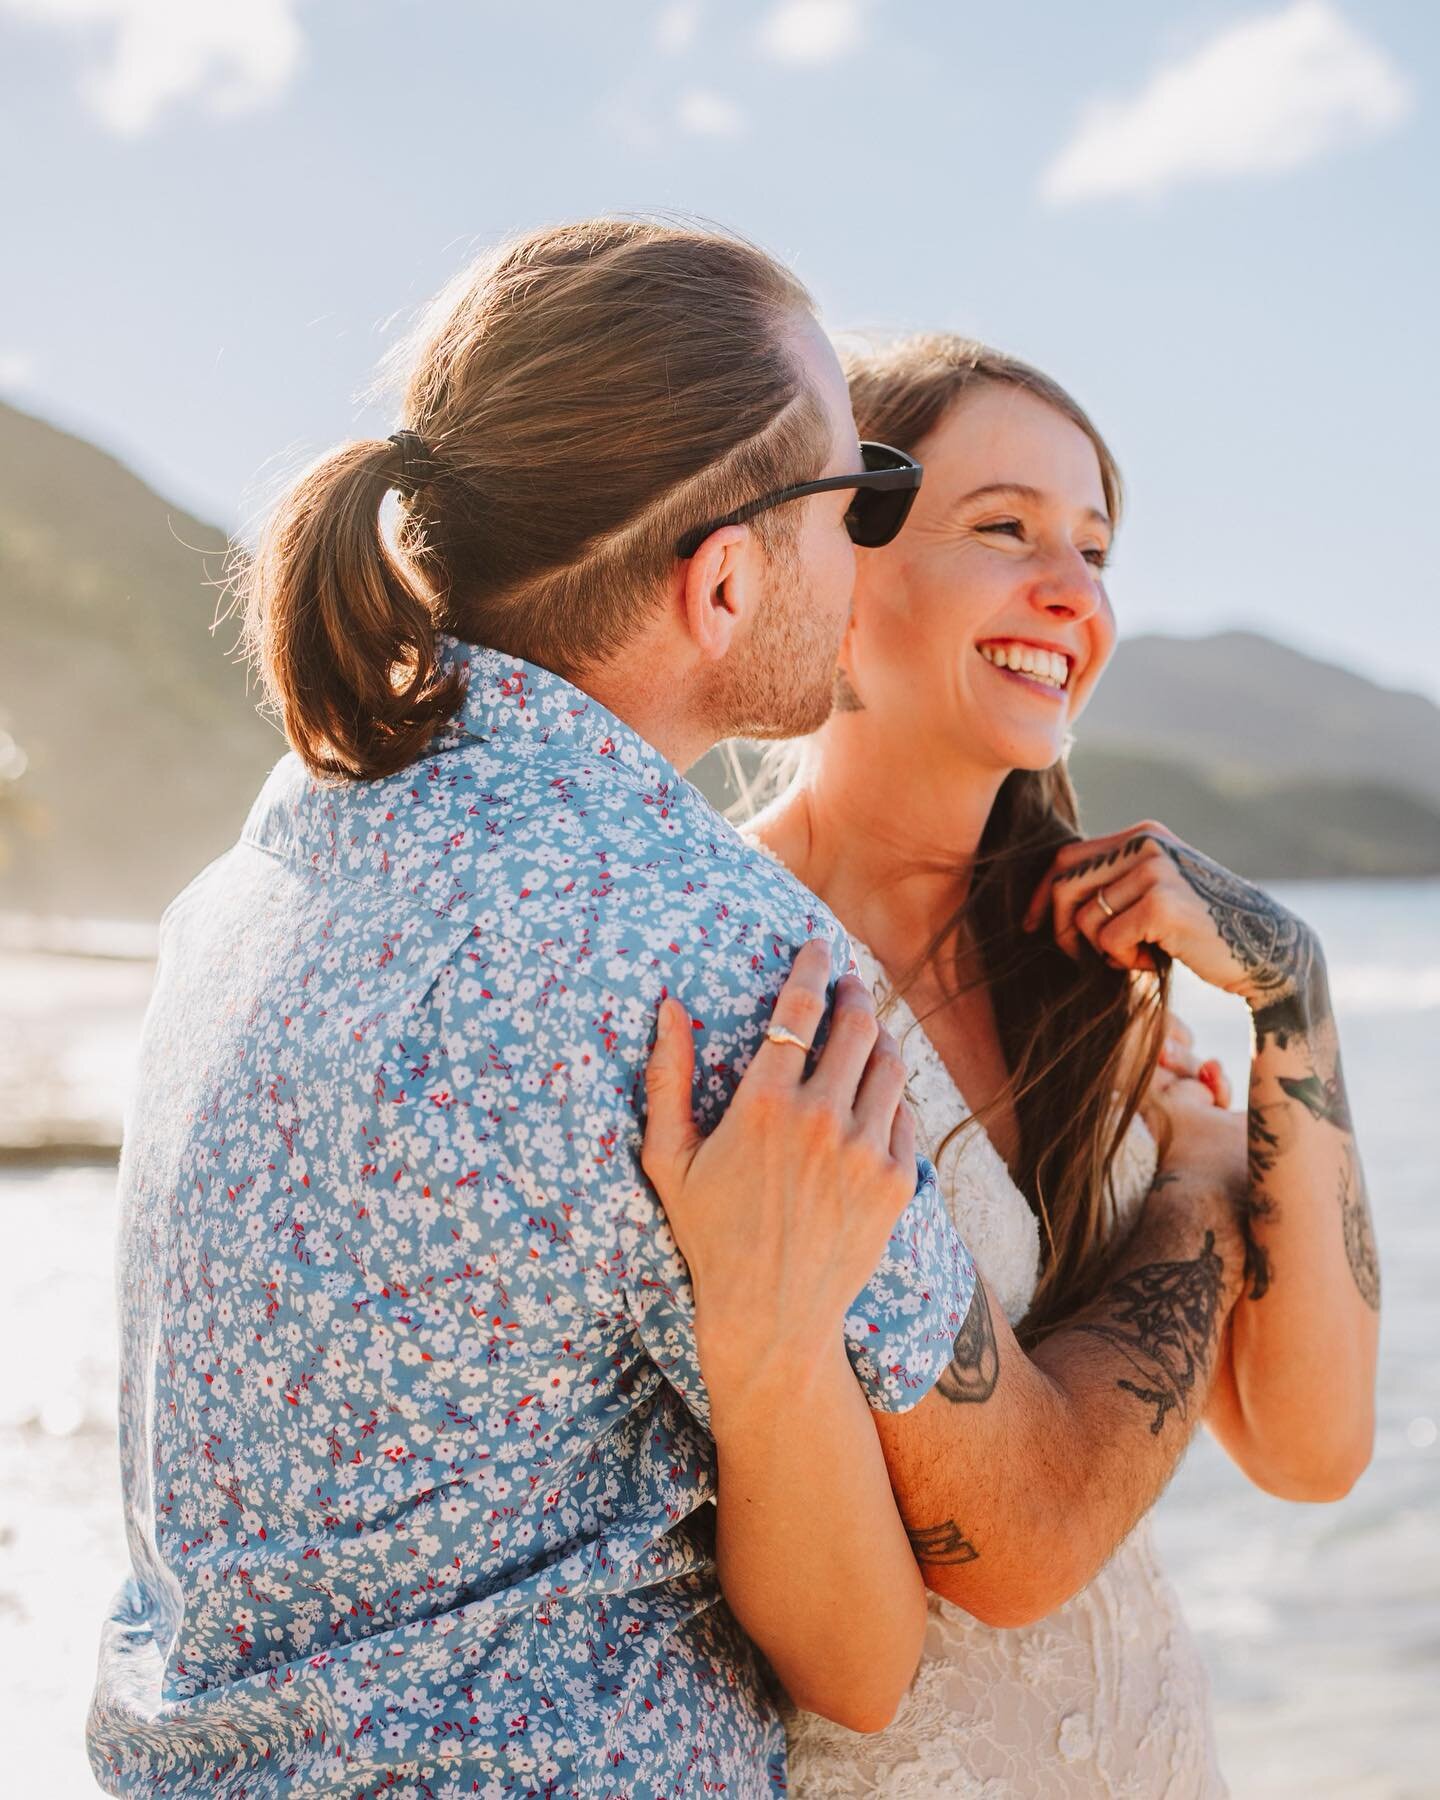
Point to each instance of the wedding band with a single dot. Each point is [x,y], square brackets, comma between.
[777,1034]
[1104,904]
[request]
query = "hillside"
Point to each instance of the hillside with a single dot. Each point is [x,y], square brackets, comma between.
[144,749]
[1238,704]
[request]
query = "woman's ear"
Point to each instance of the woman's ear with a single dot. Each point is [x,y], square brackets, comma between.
[723,584]
[847,695]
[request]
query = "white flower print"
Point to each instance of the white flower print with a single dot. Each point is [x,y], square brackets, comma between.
[421,1441]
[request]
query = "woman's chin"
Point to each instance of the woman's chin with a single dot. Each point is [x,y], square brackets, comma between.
[1031,754]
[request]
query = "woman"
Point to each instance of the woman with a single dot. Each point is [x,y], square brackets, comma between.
[1025,972]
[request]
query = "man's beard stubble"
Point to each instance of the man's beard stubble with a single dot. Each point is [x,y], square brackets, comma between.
[782,683]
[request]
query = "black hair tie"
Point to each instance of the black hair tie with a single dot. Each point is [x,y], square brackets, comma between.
[413,461]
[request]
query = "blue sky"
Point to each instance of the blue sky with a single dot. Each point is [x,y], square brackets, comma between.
[1215,222]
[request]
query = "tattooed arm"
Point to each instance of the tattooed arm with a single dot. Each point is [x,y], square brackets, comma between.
[1018,1476]
[1295,1403]
[1294,1397]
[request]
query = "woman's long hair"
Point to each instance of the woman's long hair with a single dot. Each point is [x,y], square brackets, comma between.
[1081,1040]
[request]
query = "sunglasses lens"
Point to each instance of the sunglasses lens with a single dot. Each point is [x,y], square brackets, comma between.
[876,514]
[874,518]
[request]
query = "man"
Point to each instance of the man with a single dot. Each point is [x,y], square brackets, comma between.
[414,1437]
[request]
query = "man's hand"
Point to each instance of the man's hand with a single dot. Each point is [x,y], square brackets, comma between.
[783,1212]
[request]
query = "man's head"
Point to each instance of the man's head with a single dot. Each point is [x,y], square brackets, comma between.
[581,400]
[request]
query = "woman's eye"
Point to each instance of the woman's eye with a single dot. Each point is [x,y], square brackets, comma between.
[1013,526]
[1097,559]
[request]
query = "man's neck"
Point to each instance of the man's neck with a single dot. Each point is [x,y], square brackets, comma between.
[652,701]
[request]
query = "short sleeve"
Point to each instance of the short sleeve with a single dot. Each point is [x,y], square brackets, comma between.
[901,1331]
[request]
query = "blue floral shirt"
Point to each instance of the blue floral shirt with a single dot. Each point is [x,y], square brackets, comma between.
[413,1433]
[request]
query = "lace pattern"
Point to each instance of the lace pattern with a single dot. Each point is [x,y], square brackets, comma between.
[1107,1696]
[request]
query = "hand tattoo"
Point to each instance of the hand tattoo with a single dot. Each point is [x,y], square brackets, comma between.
[1360,1250]
[975,1367]
[1162,1317]
[1278,952]
[941,1544]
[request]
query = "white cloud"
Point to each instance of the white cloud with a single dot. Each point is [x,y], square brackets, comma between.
[677,25]
[1264,97]
[811,31]
[142,56]
[709,115]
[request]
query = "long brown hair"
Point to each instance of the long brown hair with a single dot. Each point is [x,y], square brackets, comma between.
[578,400]
[1081,1041]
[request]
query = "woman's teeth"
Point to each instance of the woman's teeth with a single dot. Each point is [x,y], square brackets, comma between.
[1048,667]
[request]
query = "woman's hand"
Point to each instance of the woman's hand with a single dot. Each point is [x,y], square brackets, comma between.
[784,1210]
[1143,890]
[1178,1062]
[782,1214]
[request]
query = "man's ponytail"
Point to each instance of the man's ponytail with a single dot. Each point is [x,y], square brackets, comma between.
[574,405]
[344,637]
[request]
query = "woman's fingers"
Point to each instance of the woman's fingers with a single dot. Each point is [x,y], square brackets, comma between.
[1179,1060]
[882,1089]
[1183,1093]
[1218,1082]
[799,1008]
[841,1065]
[671,1138]
[902,1139]
[1091,861]
[1089,910]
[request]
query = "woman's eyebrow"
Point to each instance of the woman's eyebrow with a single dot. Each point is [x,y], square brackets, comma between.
[1019,491]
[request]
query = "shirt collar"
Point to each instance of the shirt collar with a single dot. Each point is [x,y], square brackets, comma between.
[519,706]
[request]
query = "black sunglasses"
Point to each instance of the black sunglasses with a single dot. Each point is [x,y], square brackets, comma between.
[884,494]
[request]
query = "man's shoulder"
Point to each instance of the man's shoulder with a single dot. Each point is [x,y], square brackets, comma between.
[592,916]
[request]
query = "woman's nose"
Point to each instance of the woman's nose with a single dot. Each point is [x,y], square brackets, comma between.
[1069,588]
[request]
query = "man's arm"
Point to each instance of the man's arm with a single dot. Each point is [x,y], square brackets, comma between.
[1017,1476]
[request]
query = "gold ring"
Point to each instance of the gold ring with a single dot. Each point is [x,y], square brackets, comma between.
[1104,904]
[777,1034]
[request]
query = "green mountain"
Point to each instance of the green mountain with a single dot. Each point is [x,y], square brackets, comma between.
[142,750]
[1242,707]
[130,748]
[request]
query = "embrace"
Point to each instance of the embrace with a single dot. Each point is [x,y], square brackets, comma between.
[617,1306]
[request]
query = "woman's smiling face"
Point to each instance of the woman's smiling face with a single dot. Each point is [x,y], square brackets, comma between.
[986,621]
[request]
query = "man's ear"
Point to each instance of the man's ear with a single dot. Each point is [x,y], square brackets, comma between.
[721,586]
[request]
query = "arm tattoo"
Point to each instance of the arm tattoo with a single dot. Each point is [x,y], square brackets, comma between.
[1162,1319]
[1278,952]
[1323,1097]
[1263,1153]
[1360,1250]
[975,1367]
[945,1543]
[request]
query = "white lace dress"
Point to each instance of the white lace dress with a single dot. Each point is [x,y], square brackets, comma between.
[1107,1696]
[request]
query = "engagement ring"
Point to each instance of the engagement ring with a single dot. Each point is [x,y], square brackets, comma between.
[777,1034]
[1105,906]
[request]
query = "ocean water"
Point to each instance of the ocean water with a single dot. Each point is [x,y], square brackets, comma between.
[1320,1625]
